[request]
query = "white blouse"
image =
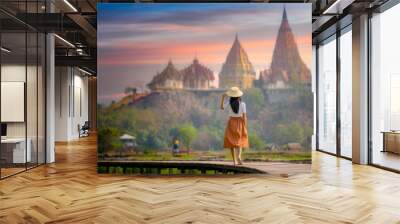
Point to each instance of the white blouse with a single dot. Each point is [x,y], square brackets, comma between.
[242,109]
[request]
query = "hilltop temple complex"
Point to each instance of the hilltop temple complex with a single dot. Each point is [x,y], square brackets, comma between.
[237,69]
[287,69]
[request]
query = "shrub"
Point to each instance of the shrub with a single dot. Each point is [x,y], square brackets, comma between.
[165,171]
[136,170]
[288,133]
[256,142]
[102,169]
[188,134]
[210,172]
[111,169]
[108,139]
[128,170]
[119,170]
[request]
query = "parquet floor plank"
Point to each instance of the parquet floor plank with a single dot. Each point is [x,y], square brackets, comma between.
[70,191]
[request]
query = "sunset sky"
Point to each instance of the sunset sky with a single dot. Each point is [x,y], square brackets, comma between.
[135,41]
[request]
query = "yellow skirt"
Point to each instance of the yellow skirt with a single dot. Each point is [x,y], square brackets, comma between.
[236,133]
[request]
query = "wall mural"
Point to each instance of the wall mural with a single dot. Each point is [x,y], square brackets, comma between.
[164,68]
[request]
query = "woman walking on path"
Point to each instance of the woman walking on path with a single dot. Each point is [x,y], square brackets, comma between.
[236,130]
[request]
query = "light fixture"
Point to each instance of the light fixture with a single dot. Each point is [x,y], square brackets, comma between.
[337,7]
[327,11]
[5,50]
[84,71]
[70,5]
[64,40]
[80,51]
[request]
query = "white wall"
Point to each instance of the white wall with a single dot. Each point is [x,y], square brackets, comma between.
[33,126]
[314,90]
[12,73]
[80,111]
[16,73]
[71,102]
[62,81]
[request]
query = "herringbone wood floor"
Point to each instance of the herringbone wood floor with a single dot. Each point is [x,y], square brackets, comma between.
[70,191]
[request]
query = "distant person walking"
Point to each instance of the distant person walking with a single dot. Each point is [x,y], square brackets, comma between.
[236,130]
[175,146]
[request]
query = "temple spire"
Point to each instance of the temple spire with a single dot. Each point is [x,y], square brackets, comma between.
[195,59]
[287,64]
[284,15]
[237,69]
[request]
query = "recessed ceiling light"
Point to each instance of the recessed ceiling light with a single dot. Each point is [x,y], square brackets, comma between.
[5,50]
[70,5]
[64,40]
[337,7]
[334,5]
[84,71]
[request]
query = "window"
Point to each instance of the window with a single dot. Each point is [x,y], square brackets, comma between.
[346,93]
[22,87]
[327,96]
[385,89]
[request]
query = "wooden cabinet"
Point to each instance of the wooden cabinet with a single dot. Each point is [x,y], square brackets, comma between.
[391,142]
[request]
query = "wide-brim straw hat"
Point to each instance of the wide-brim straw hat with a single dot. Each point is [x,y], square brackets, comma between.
[234,92]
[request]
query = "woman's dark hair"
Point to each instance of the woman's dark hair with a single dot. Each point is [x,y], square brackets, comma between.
[235,102]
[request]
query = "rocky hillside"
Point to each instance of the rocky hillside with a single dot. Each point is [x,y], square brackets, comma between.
[160,115]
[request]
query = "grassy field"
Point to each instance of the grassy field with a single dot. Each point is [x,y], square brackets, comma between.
[248,155]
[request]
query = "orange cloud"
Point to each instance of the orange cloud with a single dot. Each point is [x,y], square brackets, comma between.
[259,51]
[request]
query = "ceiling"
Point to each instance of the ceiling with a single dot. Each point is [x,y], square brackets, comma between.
[75,21]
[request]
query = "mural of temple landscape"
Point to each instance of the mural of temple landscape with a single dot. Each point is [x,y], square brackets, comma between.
[163,69]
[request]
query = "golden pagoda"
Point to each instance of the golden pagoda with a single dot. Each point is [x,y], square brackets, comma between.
[237,69]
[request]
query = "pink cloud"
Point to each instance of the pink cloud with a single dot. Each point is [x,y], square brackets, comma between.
[212,52]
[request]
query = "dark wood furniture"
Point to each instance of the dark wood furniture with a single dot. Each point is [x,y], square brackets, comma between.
[391,141]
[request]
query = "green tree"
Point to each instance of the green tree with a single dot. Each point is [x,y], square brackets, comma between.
[208,138]
[174,132]
[287,133]
[188,133]
[256,142]
[255,100]
[154,142]
[108,140]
